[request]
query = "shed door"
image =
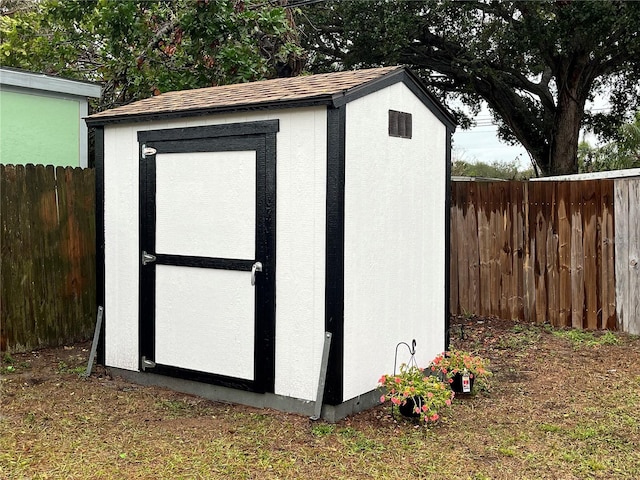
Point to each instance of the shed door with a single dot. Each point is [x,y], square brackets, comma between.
[208,254]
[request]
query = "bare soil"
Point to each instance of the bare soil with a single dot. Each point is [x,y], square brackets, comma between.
[562,404]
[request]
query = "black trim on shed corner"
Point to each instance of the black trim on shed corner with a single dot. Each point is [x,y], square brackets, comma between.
[447,240]
[334,278]
[413,82]
[99,219]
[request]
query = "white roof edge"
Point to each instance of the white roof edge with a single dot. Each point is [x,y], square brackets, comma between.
[461,178]
[630,172]
[37,81]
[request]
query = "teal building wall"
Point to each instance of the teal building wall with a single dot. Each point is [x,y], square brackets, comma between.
[42,119]
[39,129]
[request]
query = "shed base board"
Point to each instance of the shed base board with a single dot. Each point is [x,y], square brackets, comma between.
[330,413]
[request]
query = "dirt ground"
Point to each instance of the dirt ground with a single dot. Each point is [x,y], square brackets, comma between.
[561,404]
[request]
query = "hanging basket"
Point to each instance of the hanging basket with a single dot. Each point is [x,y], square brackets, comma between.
[458,384]
[407,409]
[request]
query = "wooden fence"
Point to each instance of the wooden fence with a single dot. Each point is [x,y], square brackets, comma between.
[47,256]
[547,252]
[567,253]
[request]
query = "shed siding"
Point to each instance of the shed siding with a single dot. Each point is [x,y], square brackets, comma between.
[300,242]
[121,247]
[394,267]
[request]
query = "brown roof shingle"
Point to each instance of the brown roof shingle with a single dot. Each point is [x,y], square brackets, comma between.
[266,92]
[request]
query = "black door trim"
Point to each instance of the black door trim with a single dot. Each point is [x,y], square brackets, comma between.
[257,136]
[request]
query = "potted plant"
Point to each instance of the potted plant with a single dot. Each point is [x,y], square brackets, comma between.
[415,394]
[461,370]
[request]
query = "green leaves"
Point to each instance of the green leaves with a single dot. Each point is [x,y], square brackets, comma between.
[136,49]
[535,63]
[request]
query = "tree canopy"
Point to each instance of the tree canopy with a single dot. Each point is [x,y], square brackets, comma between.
[535,63]
[139,48]
[624,152]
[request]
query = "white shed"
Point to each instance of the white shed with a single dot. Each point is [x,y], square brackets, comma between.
[242,222]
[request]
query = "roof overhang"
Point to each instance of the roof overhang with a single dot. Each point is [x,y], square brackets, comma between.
[46,83]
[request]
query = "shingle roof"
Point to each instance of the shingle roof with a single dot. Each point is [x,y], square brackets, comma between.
[321,88]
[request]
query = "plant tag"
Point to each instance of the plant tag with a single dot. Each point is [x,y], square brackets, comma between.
[466,383]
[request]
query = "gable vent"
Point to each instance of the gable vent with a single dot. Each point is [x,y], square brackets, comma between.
[399,124]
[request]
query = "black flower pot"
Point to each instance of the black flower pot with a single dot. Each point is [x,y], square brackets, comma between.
[457,386]
[407,409]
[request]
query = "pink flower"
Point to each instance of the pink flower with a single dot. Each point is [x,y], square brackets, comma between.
[396,400]
[416,409]
[382,399]
[383,379]
[429,395]
[448,402]
[397,380]
[451,380]
[424,408]
[434,417]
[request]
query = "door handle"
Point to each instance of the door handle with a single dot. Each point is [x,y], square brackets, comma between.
[256,267]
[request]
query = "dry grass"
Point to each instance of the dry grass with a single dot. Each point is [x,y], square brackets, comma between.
[562,405]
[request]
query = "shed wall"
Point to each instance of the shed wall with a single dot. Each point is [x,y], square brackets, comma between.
[300,242]
[394,256]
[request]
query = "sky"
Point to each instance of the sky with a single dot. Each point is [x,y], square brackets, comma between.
[480,143]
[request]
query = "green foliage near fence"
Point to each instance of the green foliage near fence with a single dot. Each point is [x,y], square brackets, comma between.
[47,266]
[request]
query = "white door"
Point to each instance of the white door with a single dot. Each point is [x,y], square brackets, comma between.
[208,255]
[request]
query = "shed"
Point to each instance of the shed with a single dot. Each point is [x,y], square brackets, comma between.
[41,118]
[242,222]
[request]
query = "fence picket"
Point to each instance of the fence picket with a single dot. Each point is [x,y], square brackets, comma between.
[633,302]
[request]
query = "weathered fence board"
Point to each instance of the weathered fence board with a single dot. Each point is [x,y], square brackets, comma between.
[627,254]
[47,272]
[545,251]
[608,318]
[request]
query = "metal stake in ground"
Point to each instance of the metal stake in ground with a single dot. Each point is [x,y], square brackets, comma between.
[94,345]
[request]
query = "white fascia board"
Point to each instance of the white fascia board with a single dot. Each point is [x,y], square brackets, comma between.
[629,172]
[46,83]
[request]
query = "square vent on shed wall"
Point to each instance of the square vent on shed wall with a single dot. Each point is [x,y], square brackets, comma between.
[399,124]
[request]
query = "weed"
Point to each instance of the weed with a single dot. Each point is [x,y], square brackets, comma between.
[348,432]
[64,368]
[364,445]
[583,432]
[520,338]
[584,338]
[595,465]
[547,427]
[175,408]
[322,429]
[506,451]
[481,476]
[7,358]
[609,338]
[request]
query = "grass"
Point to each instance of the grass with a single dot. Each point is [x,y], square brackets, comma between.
[583,338]
[554,410]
